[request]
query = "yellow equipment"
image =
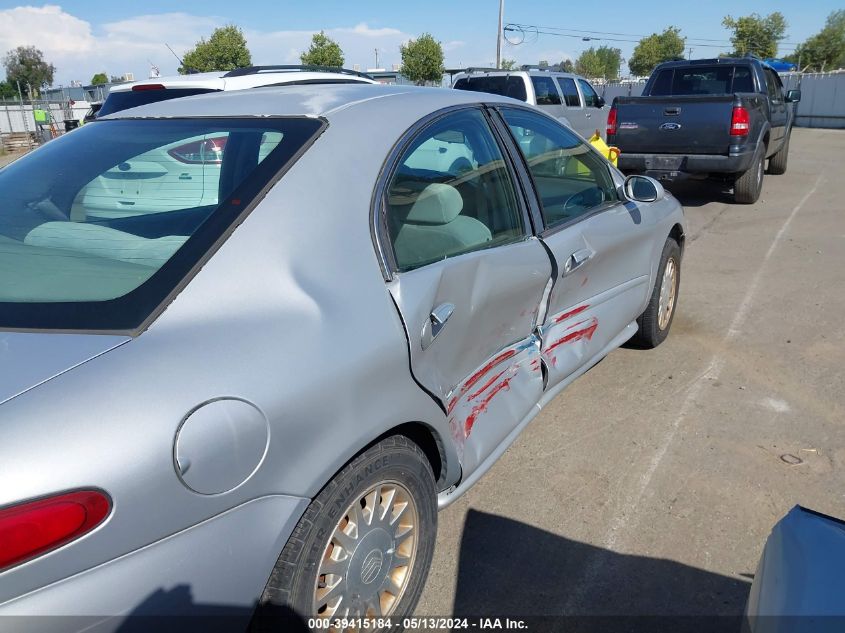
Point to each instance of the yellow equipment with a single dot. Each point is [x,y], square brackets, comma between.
[611,153]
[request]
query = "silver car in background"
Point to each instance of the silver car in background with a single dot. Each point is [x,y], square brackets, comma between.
[252,341]
[568,97]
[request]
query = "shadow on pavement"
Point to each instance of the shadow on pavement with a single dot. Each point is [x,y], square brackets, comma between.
[697,193]
[509,568]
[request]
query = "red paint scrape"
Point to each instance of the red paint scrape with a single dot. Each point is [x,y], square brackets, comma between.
[486,385]
[577,335]
[572,312]
[472,380]
[481,407]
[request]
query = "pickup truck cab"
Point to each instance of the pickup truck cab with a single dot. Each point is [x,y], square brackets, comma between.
[708,117]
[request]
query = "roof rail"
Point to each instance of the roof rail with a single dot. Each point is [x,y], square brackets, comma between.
[535,67]
[255,70]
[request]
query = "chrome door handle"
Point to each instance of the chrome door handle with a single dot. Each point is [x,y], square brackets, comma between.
[576,260]
[436,322]
[589,115]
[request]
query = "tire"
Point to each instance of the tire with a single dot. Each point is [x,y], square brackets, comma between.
[654,329]
[777,163]
[748,186]
[398,468]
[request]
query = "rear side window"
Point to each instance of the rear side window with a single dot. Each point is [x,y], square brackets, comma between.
[505,86]
[97,229]
[570,92]
[125,99]
[773,85]
[451,193]
[545,91]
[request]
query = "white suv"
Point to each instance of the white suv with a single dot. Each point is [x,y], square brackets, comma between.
[569,98]
[130,95]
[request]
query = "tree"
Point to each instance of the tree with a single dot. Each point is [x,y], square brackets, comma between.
[603,61]
[25,64]
[508,64]
[99,79]
[826,49]
[226,49]
[324,51]
[756,34]
[7,90]
[656,49]
[422,60]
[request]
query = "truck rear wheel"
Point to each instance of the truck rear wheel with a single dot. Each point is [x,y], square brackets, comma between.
[748,186]
[777,163]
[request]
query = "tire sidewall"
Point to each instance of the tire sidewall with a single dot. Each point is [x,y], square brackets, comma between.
[655,335]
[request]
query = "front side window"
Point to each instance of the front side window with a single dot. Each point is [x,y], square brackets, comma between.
[571,180]
[774,86]
[98,227]
[591,99]
[451,193]
[545,91]
[570,92]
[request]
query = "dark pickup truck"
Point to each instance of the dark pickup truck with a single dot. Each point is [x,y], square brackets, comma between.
[708,117]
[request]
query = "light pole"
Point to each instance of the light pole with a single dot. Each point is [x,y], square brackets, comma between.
[499,34]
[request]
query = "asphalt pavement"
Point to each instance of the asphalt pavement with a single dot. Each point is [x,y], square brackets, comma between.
[649,486]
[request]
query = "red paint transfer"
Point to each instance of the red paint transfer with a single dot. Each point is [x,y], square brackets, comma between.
[472,380]
[481,407]
[572,312]
[576,335]
[486,385]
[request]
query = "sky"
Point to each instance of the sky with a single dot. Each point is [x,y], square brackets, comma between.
[86,37]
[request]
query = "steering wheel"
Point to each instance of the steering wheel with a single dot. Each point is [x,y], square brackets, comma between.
[580,200]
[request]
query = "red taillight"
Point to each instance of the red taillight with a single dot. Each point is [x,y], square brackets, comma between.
[203,152]
[30,529]
[148,87]
[611,121]
[740,122]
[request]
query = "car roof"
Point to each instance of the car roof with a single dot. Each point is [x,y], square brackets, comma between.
[313,100]
[234,80]
[523,72]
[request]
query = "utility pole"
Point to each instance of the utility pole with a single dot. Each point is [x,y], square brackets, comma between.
[499,34]
[377,66]
[689,54]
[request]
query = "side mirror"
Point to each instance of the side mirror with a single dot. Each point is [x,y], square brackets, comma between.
[793,96]
[643,189]
[600,102]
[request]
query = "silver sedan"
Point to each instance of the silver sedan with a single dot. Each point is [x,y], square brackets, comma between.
[252,341]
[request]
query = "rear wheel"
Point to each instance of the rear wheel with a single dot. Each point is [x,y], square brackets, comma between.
[748,186]
[777,163]
[363,546]
[655,322]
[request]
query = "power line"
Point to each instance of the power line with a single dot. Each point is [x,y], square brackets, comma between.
[551,30]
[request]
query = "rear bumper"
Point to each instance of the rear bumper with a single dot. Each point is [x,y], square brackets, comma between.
[679,166]
[215,570]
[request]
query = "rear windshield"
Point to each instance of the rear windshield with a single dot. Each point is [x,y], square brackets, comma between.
[125,99]
[702,80]
[98,227]
[503,85]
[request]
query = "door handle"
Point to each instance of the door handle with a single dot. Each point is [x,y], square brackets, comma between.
[436,322]
[576,260]
[589,115]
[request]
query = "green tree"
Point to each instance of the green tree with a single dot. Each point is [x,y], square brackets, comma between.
[826,49]
[603,61]
[508,64]
[25,64]
[7,90]
[99,79]
[226,49]
[324,51]
[656,49]
[422,60]
[756,34]
[567,66]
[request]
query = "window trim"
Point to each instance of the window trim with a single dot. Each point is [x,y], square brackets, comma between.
[215,246]
[379,231]
[546,230]
[561,102]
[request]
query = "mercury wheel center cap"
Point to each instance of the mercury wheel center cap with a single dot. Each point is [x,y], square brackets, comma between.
[372,566]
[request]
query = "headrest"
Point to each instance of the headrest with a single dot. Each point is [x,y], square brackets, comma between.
[436,204]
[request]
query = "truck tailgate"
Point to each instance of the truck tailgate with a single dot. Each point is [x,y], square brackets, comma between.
[695,124]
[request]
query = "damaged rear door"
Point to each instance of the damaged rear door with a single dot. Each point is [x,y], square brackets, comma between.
[467,277]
